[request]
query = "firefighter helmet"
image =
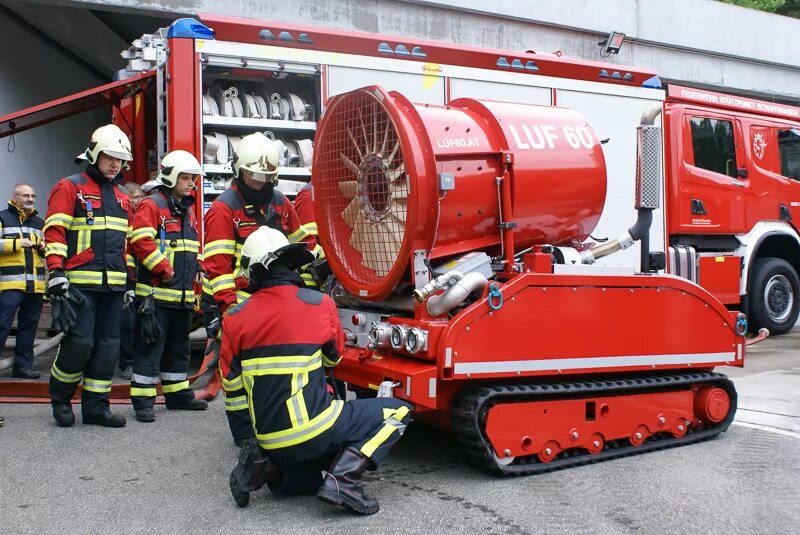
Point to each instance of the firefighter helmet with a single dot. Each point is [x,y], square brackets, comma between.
[110,140]
[175,163]
[268,248]
[256,153]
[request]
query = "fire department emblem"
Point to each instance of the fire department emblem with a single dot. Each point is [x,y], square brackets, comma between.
[759,145]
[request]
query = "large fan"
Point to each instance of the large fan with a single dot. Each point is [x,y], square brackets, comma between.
[361,179]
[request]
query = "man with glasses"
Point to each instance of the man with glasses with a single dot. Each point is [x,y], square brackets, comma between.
[22,276]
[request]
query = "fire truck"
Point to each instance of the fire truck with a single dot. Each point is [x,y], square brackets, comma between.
[517,247]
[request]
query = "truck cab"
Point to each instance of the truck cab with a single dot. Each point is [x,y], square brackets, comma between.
[733,193]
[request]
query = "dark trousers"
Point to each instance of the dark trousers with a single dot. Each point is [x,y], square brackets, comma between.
[169,356]
[30,308]
[126,346]
[90,351]
[371,426]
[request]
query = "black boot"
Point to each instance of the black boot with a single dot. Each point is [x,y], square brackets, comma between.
[342,483]
[192,404]
[104,419]
[145,415]
[62,412]
[253,471]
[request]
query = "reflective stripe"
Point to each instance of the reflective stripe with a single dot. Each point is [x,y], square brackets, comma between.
[143,392]
[177,387]
[140,233]
[164,294]
[100,223]
[241,296]
[289,437]
[143,379]
[21,278]
[63,376]
[117,223]
[60,220]
[298,414]
[219,247]
[130,261]
[153,259]
[231,385]
[236,404]
[282,365]
[99,386]
[168,376]
[223,282]
[116,277]
[59,249]
[85,277]
[20,230]
[84,240]
[392,422]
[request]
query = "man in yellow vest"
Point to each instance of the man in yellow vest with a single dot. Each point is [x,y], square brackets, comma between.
[22,276]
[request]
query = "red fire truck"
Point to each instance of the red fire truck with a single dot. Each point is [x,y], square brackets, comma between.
[509,252]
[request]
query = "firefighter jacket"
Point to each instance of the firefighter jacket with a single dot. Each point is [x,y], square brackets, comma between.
[277,344]
[21,268]
[165,244]
[86,230]
[228,223]
[308,230]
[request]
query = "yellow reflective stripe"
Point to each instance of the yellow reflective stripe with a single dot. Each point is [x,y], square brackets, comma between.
[223,282]
[84,240]
[241,296]
[282,365]
[116,277]
[117,223]
[65,377]
[296,404]
[328,363]
[85,277]
[237,403]
[231,385]
[207,287]
[200,255]
[219,247]
[153,259]
[99,386]
[311,228]
[164,294]
[130,261]
[177,387]
[144,232]
[149,392]
[314,427]
[297,236]
[393,419]
[59,249]
[60,220]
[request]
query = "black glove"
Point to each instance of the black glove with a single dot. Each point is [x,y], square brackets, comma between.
[213,326]
[149,328]
[65,309]
[58,284]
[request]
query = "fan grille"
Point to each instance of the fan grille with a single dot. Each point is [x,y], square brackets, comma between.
[361,187]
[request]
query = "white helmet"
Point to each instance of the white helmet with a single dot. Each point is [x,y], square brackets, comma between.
[256,153]
[149,185]
[175,163]
[268,247]
[110,140]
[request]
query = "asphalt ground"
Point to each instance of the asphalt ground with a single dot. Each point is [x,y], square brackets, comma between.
[171,476]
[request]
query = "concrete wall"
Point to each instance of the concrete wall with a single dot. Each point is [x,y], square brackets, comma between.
[35,71]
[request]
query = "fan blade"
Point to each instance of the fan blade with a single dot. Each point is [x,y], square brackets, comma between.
[396,174]
[398,190]
[398,212]
[355,144]
[353,168]
[385,138]
[350,213]
[375,131]
[363,130]
[348,188]
[357,236]
[390,159]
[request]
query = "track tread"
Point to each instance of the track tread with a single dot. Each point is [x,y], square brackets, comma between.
[468,428]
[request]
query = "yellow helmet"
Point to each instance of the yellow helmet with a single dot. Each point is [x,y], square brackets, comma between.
[176,162]
[111,140]
[256,153]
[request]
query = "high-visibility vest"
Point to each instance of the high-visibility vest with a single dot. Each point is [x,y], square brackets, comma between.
[21,268]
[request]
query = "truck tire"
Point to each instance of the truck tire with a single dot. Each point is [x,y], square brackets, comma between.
[774,296]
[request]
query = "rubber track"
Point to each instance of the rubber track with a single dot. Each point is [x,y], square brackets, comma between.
[472,402]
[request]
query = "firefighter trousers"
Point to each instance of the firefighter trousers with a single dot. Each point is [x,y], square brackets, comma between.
[371,426]
[167,358]
[30,308]
[89,352]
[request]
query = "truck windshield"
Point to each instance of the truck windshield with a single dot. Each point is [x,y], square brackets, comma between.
[713,145]
[789,147]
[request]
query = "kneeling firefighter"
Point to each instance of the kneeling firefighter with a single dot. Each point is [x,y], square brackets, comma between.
[165,243]
[278,344]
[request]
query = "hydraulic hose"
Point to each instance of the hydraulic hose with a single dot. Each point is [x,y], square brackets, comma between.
[456,293]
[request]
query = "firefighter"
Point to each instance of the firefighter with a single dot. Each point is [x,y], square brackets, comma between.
[308,226]
[136,195]
[85,234]
[250,203]
[278,343]
[164,241]
[22,276]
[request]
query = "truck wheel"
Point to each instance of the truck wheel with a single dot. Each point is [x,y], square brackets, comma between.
[774,296]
